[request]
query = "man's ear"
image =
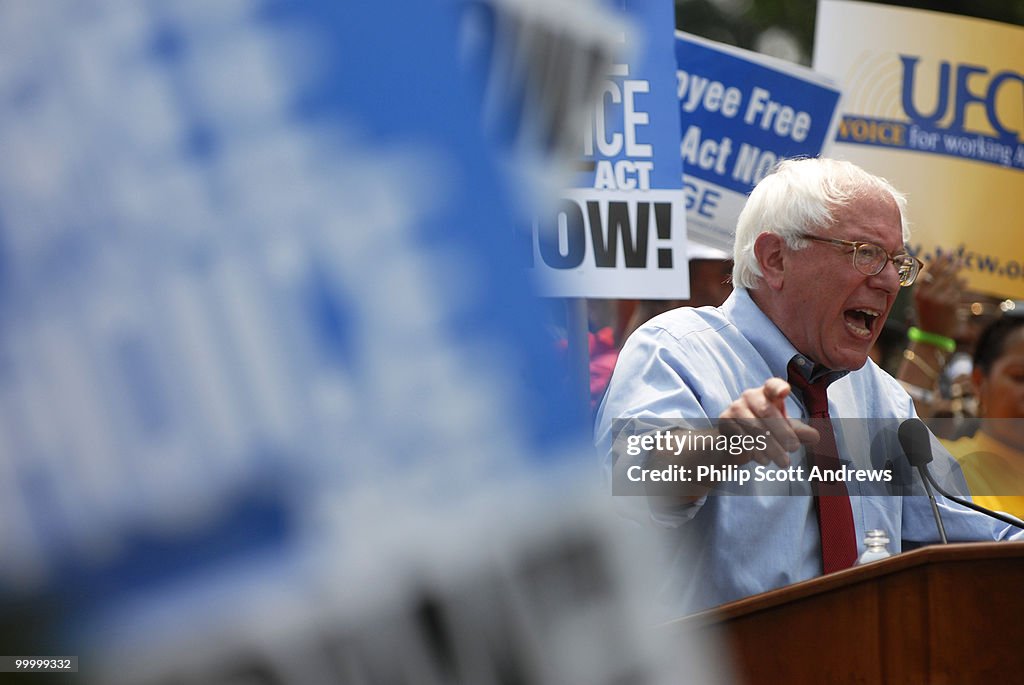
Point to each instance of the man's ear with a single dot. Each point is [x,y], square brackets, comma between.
[769,250]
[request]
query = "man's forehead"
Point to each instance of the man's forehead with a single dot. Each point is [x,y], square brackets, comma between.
[874,218]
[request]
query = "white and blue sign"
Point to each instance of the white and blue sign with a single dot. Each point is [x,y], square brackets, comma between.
[620,231]
[741,113]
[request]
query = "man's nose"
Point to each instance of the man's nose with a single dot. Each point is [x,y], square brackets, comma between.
[888,279]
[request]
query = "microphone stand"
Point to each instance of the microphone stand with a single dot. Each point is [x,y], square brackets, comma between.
[916,443]
[926,478]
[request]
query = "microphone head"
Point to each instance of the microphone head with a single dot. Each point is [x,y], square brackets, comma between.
[915,439]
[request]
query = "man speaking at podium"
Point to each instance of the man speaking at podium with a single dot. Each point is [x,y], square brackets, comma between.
[819,258]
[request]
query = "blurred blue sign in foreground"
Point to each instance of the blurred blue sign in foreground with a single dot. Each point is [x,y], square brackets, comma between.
[246,248]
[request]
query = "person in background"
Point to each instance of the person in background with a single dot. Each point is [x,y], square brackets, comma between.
[936,364]
[933,341]
[993,458]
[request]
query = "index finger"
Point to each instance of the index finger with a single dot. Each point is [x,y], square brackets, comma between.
[776,391]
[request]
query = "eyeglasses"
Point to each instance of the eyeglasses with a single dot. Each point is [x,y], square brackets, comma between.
[870,259]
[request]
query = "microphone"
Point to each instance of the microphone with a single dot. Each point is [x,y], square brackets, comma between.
[916,442]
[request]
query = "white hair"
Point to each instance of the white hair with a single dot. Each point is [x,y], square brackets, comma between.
[801,196]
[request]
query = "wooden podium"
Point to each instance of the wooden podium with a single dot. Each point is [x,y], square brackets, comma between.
[942,614]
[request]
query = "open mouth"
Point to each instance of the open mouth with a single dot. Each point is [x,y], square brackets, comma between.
[861,322]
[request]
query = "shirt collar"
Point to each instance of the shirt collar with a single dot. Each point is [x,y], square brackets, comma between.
[769,341]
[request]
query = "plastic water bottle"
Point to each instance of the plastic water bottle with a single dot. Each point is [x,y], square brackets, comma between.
[874,547]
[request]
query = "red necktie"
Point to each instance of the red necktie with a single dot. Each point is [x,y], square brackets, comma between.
[835,517]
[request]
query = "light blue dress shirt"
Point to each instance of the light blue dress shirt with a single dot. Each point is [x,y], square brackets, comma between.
[691,364]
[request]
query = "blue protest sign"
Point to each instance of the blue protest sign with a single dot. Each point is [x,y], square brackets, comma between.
[741,112]
[256,260]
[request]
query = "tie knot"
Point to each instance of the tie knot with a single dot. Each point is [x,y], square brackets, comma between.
[815,395]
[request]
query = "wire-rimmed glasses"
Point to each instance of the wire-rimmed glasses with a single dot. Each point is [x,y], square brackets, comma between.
[870,259]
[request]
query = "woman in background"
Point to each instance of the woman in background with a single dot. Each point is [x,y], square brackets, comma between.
[993,458]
